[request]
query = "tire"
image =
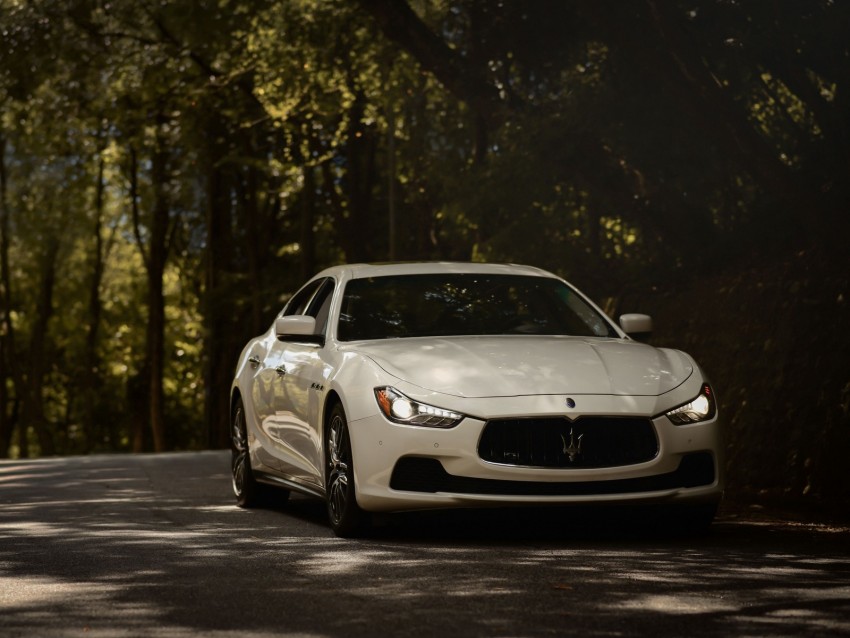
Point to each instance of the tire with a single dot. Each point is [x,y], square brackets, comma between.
[248,492]
[346,518]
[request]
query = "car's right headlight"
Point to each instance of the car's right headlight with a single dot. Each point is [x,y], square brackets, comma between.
[702,408]
[401,409]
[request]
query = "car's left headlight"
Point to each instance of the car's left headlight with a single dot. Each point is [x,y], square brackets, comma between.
[401,409]
[702,408]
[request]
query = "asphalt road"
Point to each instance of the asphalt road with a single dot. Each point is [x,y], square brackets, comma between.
[154,546]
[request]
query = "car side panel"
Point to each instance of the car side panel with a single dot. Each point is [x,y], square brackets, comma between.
[255,383]
[297,412]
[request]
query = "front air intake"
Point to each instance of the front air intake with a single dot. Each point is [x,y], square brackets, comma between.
[557,442]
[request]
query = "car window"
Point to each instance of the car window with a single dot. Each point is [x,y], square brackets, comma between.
[301,299]
[465,304]
[320,306]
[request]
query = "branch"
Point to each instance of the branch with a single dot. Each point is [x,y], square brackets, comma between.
[242,79]
[134,204]
[401,25]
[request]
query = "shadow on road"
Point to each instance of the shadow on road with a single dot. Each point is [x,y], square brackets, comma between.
[153,545]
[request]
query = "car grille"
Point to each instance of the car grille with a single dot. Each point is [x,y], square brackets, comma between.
[558,442]
[417,474]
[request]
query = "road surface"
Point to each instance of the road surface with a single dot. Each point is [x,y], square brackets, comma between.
[154,546]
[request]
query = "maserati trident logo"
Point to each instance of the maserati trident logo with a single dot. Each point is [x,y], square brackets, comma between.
[573,448]
[571,403]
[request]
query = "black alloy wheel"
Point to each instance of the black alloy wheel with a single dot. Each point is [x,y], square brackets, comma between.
[249,492]
[346,517]
[244,486]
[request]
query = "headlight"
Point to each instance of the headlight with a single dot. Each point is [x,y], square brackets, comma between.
[702,408]
[401,409]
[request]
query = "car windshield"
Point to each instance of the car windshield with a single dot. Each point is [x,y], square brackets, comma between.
[457,304]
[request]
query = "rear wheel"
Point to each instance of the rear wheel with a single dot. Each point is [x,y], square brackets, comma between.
[346,517]
[245,487]
[249,492]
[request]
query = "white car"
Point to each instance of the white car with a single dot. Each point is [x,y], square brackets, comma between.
[396,387]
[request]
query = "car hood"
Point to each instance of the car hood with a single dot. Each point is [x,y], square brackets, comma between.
[527,365]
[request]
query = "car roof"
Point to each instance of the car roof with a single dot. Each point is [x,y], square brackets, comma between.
[359,271]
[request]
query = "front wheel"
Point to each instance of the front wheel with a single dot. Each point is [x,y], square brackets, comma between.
[346,517]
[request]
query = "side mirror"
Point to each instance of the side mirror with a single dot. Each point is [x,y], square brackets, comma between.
[636,325]
[299,328]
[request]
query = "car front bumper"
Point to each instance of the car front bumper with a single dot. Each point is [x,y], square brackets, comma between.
[401,467]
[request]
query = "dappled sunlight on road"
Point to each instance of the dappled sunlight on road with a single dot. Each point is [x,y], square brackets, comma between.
[681,604]
[153,545]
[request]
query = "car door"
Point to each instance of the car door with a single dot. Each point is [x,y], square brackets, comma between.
[273,419]
[261,369]
[298,393]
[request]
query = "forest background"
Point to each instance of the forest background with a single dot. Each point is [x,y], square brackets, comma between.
[171,171]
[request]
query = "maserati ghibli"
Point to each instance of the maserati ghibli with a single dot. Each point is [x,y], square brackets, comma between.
[385,388]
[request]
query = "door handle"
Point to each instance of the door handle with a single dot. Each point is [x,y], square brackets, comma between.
[280,370]
[254,360]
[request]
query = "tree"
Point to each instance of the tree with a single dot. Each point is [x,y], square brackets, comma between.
[9,370]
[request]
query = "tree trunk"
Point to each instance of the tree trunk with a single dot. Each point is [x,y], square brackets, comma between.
[137,386]
[8,361]
[7,329]
[218,364]
[246,183]
[308,213]
[157,256]
[33,405]
[5,418]
[361,149]
[91,372]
